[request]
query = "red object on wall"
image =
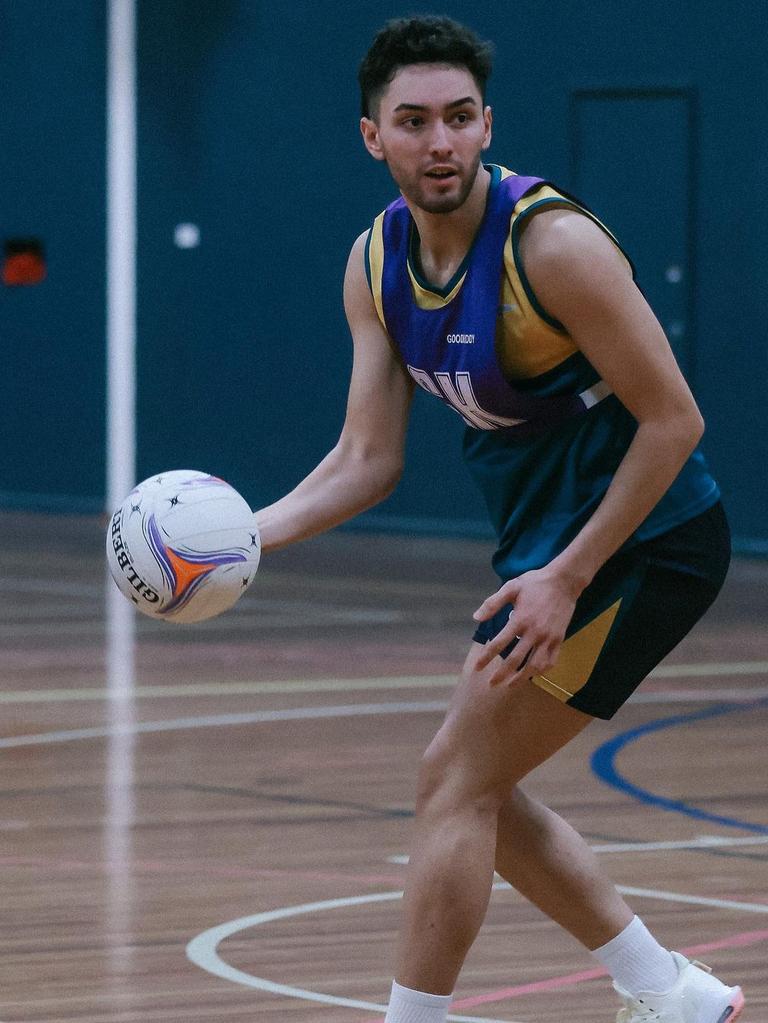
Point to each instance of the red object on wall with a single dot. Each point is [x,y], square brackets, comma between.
[24,262]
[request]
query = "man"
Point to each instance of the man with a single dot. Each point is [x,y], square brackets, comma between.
[514,305]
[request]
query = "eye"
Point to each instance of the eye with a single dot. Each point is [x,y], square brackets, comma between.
[413,122]
[462,117]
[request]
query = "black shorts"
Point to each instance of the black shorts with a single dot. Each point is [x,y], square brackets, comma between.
[638,607]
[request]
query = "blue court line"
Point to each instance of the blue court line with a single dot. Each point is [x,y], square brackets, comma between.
[604,766]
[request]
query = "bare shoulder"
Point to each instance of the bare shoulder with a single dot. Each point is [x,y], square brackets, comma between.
[357,252]
[582,278]
[563,230]
[358,301]
[563,250]
[355,273]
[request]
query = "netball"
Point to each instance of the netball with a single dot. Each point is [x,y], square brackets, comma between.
[183,546]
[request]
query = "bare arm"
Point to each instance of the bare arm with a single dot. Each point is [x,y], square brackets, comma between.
[582,280]
[365,465]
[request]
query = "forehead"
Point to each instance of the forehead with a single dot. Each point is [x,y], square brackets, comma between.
[427,85]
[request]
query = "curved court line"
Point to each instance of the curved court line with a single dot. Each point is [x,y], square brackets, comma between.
[603,763]
[203,953]
[202,950]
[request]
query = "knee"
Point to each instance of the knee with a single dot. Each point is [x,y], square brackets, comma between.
[451,776]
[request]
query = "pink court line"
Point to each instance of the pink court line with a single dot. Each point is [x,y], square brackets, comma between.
[569,979]
[734,941]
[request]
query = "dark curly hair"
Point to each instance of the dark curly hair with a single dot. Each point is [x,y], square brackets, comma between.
[423,39]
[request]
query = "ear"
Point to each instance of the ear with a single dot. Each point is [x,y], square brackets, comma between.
[370,132]
[488,119]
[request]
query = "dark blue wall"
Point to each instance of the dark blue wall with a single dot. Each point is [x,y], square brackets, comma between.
[52,167]
[248,128]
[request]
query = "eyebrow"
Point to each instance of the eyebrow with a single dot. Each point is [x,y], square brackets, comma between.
[419,106]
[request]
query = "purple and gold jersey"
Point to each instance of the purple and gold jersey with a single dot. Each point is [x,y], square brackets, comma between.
[544,434]
[450,348]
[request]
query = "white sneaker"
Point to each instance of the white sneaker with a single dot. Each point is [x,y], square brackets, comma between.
[695,997]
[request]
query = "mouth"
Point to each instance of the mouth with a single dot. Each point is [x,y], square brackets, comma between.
[441,173]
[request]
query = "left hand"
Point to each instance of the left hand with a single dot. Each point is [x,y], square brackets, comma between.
[543,607]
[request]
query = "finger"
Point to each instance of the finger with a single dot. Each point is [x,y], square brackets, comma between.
[491,605]
[546,657]
[526,673]
[515,664]
[503,639]
[539,663]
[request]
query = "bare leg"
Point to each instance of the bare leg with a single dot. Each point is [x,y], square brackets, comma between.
[492,737]
[549,863]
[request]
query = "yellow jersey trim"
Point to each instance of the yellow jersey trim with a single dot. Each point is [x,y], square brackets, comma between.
[528,341]
[426,299]
[376,264]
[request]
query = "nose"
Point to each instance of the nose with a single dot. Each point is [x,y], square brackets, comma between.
[440,141]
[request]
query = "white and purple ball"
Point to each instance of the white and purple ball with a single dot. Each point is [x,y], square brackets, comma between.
[183,546]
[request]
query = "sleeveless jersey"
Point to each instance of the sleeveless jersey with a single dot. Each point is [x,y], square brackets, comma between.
[544,434]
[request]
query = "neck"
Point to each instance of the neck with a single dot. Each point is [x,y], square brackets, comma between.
[444,238]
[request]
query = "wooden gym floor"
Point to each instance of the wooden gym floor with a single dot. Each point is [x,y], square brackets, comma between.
[225,841]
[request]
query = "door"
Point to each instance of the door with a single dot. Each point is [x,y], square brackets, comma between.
[632,164]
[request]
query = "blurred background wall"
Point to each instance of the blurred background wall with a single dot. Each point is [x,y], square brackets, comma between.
[652,112]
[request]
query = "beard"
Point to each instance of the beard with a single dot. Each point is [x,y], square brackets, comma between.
[421,195]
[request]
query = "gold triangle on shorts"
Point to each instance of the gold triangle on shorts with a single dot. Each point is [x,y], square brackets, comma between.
[578,656]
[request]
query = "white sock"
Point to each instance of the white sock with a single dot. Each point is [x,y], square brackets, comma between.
[636,961]
[407,1006]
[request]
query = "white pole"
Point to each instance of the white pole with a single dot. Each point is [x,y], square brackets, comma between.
[121,464]
[121,251]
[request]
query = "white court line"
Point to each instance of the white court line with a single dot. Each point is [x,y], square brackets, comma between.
[702,842]
[693,900]
[336,685]
[205,954]
[226,720]
[223,720]
[202,950]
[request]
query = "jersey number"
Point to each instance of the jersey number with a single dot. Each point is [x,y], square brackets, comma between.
[456,391]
